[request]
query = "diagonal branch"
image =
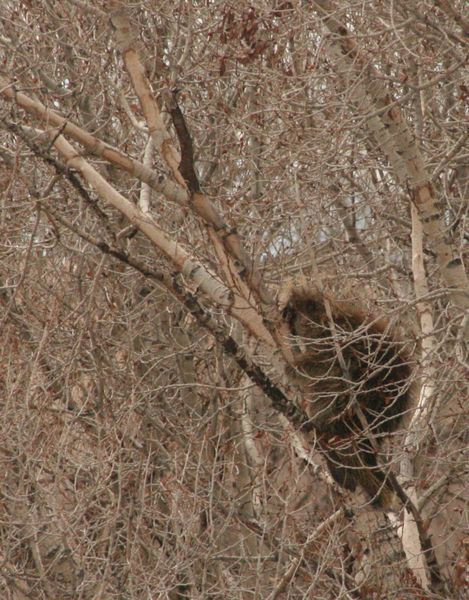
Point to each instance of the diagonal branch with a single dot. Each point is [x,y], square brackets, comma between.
[95,146]
[170,282]
[233,303]
[172,191]
[240,272]
[392,132]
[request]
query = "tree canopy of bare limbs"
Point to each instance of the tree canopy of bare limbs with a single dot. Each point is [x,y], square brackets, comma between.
[170,172]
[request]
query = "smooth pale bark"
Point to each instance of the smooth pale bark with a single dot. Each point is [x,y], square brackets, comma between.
[171,190]
[419,423]
[223,238]
[233,304]
[118,159]
[390,130]
[125,42]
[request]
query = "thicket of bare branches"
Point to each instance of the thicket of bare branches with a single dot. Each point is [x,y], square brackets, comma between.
[166,169]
